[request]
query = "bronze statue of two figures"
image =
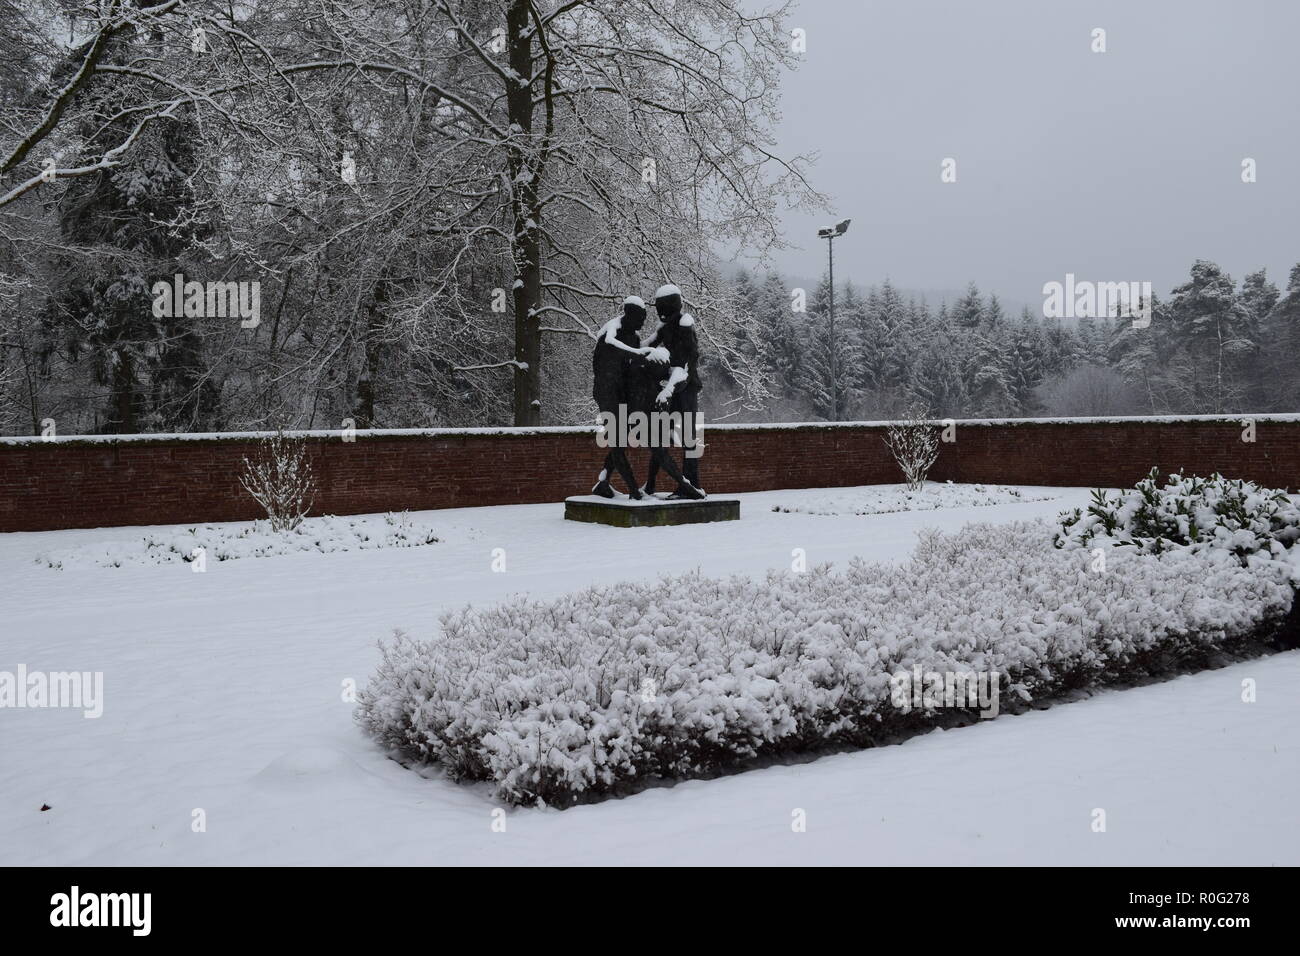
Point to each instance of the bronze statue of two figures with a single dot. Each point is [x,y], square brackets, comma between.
[661,377]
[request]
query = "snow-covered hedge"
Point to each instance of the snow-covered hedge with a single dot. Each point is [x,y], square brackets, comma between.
[227,542]
[554,699]
[1236,516]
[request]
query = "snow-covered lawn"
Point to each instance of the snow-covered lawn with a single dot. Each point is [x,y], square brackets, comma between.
[223,691]
[883,499]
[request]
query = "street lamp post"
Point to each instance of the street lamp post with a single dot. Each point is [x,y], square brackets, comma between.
[829,234]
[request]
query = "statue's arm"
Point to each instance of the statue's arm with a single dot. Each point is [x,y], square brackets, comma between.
[676,376]
[611,331]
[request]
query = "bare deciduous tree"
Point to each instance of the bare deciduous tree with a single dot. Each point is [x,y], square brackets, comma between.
[517,167]
[626,138]
[1090,390]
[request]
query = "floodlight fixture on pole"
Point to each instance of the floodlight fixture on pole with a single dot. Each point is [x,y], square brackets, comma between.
[829,234]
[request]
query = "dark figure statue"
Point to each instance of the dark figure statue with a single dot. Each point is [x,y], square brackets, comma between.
[617,346]
[681,393]
[645,377]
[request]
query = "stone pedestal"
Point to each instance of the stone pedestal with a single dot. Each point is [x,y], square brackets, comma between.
[649,512]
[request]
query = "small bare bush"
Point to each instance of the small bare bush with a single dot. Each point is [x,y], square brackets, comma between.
[279,478]
[914,442]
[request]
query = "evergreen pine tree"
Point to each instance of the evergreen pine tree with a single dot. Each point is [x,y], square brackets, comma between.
[1258,297]
[1210,324]
[1281,336]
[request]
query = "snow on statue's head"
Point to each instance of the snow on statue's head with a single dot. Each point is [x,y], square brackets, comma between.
[633,312]
[668,301]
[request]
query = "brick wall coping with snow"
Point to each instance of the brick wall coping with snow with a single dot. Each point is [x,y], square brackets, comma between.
[508,430]
[109,480]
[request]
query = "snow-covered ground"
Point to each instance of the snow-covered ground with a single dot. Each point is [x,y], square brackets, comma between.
[223,691]
[882,499]
[236,540]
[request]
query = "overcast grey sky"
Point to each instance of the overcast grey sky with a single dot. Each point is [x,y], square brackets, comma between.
[1123,165]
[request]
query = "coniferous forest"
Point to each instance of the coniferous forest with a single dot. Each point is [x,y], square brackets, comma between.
[1212,346]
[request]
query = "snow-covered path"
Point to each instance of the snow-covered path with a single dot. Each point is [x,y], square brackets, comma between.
[223,692]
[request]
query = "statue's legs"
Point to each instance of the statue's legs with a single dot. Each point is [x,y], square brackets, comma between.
[661,457]
[686,403]
[652,474]
[616,458]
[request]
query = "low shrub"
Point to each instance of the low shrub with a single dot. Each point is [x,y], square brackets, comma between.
[589,693]
[1236,516]
[279,478]
[257,539]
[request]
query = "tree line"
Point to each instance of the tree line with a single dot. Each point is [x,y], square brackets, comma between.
[1211,346]
[441,201]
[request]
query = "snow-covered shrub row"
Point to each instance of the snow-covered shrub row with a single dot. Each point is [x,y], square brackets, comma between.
[689,676]
[227,542]
[1236,516]
[882,499]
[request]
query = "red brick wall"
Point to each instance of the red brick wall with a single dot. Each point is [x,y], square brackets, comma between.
[78,483]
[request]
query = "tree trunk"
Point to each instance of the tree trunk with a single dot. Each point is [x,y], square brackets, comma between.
[525,238]
[363,408]
[123,394]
